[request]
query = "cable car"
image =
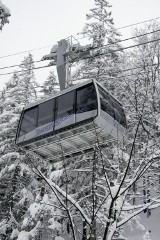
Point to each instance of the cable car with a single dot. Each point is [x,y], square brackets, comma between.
[69,121]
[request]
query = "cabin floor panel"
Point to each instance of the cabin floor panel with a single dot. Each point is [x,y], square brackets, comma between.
[70,143]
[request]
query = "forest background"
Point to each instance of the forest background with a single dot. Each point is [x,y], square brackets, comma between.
[38,200]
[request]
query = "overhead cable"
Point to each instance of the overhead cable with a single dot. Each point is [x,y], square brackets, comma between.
[131,25]
[19,65]
[96,55]
[121,49]
[31,50]
[134,24]
[120,76]
[3,74]
[109,44]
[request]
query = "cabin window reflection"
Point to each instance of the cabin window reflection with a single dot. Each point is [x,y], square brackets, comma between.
[46,112]
[86,105]
[119,114]
[106,102]
[112,107]
[29,121]
[64,110]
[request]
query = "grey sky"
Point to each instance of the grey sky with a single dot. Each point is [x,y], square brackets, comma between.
[38,23]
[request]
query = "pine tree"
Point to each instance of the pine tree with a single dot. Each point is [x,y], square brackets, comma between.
[101,32]
[9,159]
[50,85]
[15,176]
[27,79]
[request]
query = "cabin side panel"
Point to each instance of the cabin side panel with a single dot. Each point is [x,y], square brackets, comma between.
[57,114]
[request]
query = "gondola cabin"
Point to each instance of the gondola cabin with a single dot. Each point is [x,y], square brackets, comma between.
[70,121]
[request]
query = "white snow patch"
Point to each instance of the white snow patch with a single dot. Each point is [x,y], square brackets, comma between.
[59,238]
[114,190]
[14,233]
[34,208]
[29,235]
[23,236]
[11,167]
[25,222]
[56,174]
[54,224]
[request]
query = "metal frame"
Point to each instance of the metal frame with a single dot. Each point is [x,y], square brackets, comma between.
[70,143]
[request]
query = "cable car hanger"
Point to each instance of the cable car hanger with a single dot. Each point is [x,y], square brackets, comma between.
[67,51]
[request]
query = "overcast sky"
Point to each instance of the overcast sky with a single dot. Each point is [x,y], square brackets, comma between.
[39,23]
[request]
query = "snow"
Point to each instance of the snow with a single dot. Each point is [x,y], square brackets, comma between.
[63,193]
[3,226]
[13,155]
[59,238]
[54,224]
[25,222]
[11,167]
[56,174]
[147,236]
[14,233]
[23,235]
[41,206]
[3,171]
[114,190]
[25,195]
[4,7]
[24,168]
[34,208]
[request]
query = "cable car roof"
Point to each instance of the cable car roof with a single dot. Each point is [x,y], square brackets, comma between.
[30,105]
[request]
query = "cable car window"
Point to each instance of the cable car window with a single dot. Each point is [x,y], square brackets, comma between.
[86,105]
[64,110]
[46,112]
[112,107]
[29,121]
[119,114]
[106,102]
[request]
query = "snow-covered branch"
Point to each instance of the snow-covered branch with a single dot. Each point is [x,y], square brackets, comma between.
[130,216]
[54,187]
[4,15]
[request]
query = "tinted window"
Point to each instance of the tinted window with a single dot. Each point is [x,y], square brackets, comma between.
[86,104]
[46,112]
[64,110]
[29,121]
[119,113]
[106,102]
[112,106]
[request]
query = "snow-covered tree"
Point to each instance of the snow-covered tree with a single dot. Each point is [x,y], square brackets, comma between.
[9,160]
[50,85]
[140,92]
[95,192]
[107,194]
[4,15]
[15,177]
[103,65]
[95,195]
[27,79]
